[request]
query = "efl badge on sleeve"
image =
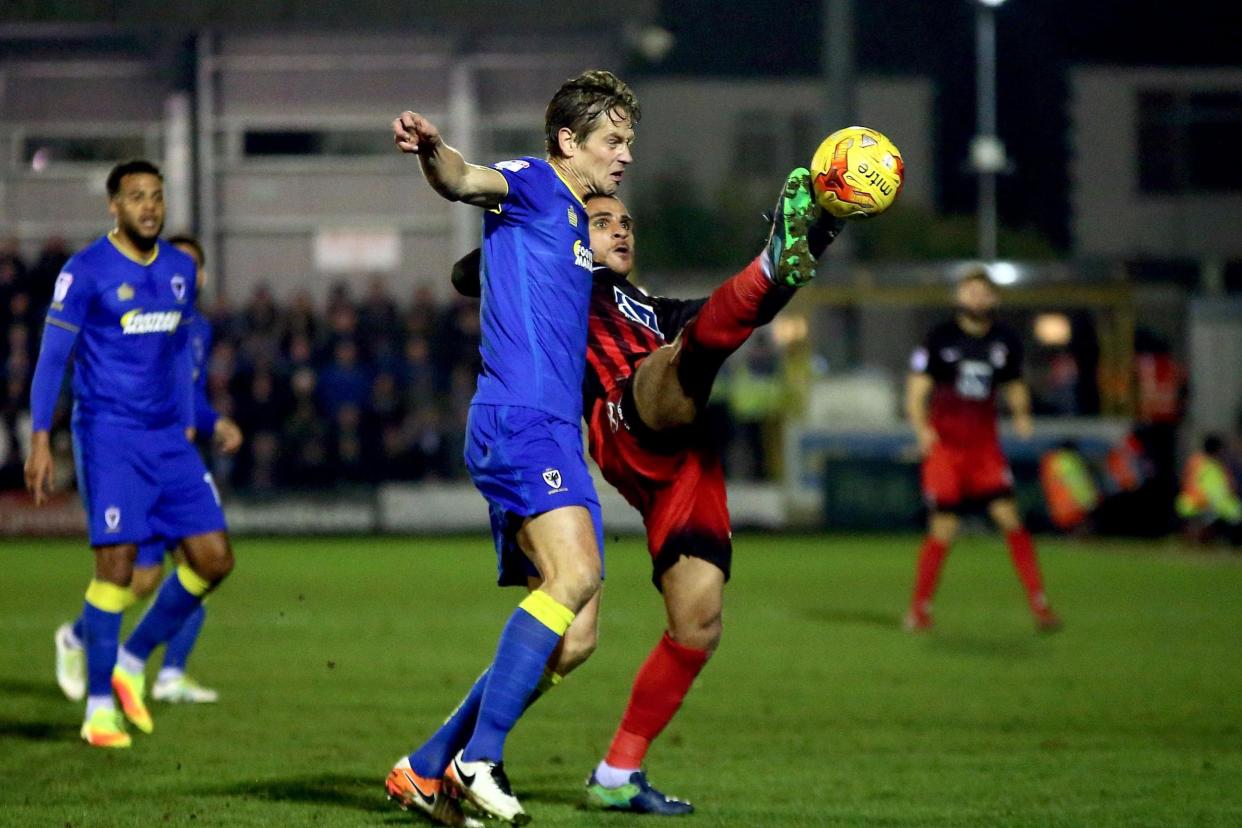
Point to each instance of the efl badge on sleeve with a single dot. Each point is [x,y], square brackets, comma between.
[63,282]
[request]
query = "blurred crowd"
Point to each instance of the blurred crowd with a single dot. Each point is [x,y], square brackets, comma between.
[356,390]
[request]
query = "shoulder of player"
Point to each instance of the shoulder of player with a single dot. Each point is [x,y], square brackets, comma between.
[90,263]
[945,331]
[173,256]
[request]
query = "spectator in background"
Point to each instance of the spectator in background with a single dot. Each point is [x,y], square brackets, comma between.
[421,317]
[344,381]
[41,278]
[300,319]
[1162,390]
[379,316]
[12,276]
[756,395]
[260,315]
[1069,487]
[1208,503]
[304,451]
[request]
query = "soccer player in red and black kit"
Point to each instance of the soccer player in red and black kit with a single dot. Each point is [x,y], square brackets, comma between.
[951,404]
[651,363]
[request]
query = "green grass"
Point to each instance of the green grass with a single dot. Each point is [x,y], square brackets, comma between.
[335,656]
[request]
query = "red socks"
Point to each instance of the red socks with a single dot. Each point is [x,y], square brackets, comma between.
[927,573]
[1022,551]
[659,688]
[748,300]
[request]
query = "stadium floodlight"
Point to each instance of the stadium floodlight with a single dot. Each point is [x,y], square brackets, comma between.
[1004,273]
[992,3]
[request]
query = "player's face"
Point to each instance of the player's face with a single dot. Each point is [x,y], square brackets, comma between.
[200,275]
[139,208]
[612,234]
[600,160]
[976,299]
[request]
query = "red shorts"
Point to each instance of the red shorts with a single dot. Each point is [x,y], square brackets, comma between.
[954,477]
[674,480]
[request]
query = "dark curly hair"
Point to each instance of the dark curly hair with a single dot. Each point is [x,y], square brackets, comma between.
[133,167]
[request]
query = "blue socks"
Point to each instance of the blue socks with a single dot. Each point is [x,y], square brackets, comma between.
[180,645]
[526,643]
[180,595]
[430,760]
[101,631]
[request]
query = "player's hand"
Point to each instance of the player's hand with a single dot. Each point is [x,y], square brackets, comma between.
[413,133]
[927,438]
[227,436]
[1023,426]
[40,467]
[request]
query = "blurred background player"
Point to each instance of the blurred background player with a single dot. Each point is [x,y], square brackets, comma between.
[643,399]
[951,405]
[1208,503]
[171,684]
[121,302]
[524,439]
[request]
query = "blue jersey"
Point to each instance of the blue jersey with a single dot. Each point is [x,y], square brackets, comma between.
[128,317]
[536,275]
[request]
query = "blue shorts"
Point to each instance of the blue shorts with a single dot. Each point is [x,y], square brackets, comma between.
[526,462]
[141,485]
[152,552]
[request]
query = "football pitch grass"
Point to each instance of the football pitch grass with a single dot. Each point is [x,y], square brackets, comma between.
[335,656]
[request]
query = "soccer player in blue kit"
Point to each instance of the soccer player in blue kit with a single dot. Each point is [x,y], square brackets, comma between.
[172,683]
[118,306]
[524,440]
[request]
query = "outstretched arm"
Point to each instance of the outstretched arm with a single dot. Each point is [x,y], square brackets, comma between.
[444,167]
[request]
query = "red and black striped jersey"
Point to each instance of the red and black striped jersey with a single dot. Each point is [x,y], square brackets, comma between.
[967,371]
[624,325]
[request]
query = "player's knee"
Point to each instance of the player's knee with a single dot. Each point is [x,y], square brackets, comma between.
[212,558]
[944,527]
[698,632]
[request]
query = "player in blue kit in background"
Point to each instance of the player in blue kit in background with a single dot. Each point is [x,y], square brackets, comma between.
[171,684]
[524,440]
[118,307]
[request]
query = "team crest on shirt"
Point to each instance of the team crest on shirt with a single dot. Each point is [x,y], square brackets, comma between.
[178,287]
[573,216]
[112,518]
[999,355]
[125,292]
[553,478]
[636,311]
[582,255]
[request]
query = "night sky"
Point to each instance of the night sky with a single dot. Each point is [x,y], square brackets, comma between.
[1037,41]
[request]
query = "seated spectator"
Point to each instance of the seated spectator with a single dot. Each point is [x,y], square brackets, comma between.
[1069,487]
[1208,503]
